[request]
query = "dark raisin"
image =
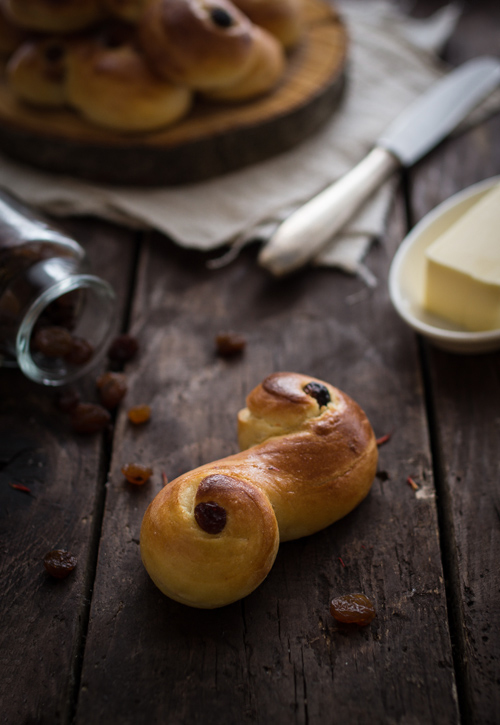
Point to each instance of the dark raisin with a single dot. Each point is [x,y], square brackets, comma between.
[210,517]
[221,17]
[137,473]
[52,341]
[319,392]
[112,389]
[67,399]
[353,609]
[81,352]
[123,348]
[139,414]
[89,418]
[229,343]
[54,52]
[59,563]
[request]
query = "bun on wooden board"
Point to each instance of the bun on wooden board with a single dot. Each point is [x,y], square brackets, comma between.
[282,18]
[53,16]
[308,458]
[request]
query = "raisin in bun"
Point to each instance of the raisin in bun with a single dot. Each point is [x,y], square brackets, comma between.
[36,72]
[282,18]
[111,85]
[309,457]
[53,16]
[263,74]
[204,44]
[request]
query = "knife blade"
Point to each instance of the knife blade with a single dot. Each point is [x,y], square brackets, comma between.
[414,132]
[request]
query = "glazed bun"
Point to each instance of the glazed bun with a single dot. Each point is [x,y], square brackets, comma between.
[36,72]
[10,36]
[129,10]
[308,457]
[282,18]
[110,84]
[263,74]
[204,44]
[53,16]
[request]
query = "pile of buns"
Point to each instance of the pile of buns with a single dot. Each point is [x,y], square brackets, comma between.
[138,65]
[308,457]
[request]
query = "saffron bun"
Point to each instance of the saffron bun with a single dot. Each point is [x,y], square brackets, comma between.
[110,84]
[308,457]
[129,10]
[263,74]
[203,44]
[11,37]
[36,72]
[53,16]
[282,18]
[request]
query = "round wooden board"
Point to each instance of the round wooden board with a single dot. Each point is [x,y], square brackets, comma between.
[212,140]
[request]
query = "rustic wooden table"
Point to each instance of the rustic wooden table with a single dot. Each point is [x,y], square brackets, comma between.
[104,646]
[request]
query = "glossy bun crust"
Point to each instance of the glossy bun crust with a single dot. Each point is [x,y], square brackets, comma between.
[309,457]
[282,18]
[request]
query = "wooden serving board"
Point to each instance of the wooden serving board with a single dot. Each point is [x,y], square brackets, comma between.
[212,140]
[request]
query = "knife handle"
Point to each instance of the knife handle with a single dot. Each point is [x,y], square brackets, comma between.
[306,231]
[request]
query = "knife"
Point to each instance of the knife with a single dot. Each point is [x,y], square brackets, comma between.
[414,132]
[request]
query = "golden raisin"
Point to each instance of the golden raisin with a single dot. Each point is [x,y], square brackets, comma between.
[59,563]
[229,343]
[139,414]
[353,609]
[112,389]
[137,473]
[89,418]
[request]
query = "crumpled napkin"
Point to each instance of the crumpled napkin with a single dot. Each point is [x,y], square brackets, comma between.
[393,59]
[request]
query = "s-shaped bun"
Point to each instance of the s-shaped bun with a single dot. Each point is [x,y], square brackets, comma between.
[211,536]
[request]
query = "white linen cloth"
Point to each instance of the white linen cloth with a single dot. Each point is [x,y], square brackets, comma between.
[393,59]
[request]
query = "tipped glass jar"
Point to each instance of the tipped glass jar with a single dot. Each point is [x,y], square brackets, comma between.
[55,317]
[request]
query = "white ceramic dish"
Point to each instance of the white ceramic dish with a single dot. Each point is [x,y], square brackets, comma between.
[406,277]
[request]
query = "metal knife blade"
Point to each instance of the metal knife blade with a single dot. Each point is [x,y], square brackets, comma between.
[415,132]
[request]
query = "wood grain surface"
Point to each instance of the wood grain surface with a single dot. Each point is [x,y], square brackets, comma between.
[213,139]
[105,646]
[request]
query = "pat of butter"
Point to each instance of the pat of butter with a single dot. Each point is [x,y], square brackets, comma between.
[463,268]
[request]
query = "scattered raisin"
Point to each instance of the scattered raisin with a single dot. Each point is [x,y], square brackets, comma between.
[353,609]
[59,563]
[53,341]
[210,517]
[319,392]
[229,343]
[80,353]
[123,348]
[89,418]
[67,399]
[137,473]
[139,414]
[112,389]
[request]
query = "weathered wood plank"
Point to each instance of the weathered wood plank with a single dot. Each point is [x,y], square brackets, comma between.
[44,620]
[277,655]
[465,395]
[466,410]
